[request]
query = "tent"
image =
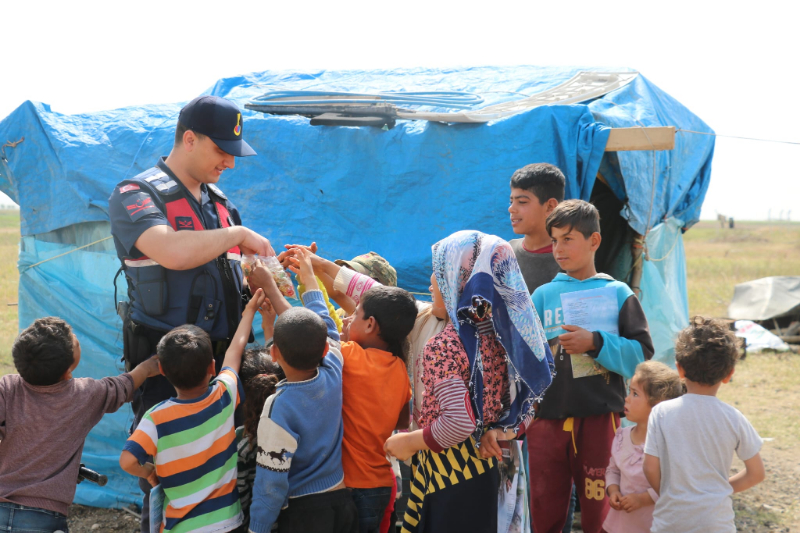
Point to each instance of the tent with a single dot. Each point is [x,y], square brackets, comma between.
[395,191]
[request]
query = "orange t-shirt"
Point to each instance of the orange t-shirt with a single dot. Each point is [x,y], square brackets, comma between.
[375,388]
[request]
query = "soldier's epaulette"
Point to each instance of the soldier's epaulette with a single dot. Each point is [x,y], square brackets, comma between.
[216,191]
[158,178]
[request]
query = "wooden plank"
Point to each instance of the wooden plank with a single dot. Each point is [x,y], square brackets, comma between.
[628,139]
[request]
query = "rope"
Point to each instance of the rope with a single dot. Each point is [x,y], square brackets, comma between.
[65,253]
[737,137]
[677,237]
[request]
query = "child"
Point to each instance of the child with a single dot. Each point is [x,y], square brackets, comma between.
[630,496]
[299,479]
[192,438]
[376,395]
[259,376]
[482,374]
[691,440]
[45,416]
[570,441]
[535,191]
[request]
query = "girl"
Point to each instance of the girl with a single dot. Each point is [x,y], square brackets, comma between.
[259,375]
[630,496]
[481,376]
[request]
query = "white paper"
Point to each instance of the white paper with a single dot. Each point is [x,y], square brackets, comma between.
[592,310]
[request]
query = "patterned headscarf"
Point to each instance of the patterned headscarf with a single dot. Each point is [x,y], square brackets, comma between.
[483,288]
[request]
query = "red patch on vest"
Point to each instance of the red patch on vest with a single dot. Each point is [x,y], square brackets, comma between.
[129,187]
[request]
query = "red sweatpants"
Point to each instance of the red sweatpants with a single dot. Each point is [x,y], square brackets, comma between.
[561,452]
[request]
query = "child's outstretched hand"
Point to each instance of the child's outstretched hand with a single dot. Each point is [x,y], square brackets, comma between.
[268,315]
[256,301]
[614,496]
[301,265]
[283,257]
[578,340]
[261,278]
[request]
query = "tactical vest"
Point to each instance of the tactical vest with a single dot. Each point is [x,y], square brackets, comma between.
[208,296]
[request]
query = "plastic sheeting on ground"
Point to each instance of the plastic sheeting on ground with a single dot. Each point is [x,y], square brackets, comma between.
[758,338]
[352,190]
[766,298]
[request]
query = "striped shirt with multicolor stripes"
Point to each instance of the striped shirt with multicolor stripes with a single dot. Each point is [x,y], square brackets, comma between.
[193,444]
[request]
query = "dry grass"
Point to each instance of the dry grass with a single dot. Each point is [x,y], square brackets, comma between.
[9,252]
[717,260]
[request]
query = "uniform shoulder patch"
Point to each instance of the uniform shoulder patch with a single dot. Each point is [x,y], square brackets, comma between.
[216,191]
[128,188]
[138,205]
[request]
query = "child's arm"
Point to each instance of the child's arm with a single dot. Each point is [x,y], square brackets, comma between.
[403,446]
[752,475]
[613,477]
[276,448]
[652,471]
[268,315]
[233,356]
[312,298]
[130,464]
[147,369]
[634,501]
[260,277]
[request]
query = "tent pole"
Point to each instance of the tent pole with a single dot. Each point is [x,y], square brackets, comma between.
[637,251]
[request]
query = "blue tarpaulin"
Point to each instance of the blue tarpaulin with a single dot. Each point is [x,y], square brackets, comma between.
[352,190]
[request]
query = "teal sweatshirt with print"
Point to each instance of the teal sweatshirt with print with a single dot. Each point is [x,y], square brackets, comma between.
[592,383]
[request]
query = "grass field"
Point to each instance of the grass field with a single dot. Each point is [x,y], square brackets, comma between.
[766,387]
[9,251]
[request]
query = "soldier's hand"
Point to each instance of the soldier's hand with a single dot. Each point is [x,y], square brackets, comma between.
[254,243]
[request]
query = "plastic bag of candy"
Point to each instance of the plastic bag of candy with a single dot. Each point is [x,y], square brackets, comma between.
[282,278]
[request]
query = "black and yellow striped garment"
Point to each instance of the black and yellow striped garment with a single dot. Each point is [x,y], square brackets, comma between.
[453,490]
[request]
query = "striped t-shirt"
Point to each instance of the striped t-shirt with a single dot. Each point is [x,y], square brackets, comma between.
[193,444]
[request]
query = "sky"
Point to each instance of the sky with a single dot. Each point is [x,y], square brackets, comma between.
[733,65]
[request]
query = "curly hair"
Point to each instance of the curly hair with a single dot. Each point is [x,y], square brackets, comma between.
[706,350]
[658,381]
[44,351]
[259,375]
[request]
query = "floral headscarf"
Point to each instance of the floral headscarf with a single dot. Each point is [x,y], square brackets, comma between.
[483,289]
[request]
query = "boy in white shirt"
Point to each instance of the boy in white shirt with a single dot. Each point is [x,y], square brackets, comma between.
[691,439]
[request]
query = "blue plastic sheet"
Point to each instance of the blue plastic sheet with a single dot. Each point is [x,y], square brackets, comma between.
[352,190]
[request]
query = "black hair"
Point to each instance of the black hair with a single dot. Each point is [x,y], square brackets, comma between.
[44,351]
[544,180]
[300,335]
[574,214]
[259,375]
[395,311]
[180,129]
[706,350]
[184,354]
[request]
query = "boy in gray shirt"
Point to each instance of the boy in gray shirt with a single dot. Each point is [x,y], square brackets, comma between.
[535,191]
[691,439]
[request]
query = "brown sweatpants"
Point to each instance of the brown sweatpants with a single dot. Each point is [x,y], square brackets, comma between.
[561,452]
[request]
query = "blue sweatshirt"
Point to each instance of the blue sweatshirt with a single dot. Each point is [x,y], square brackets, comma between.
[593,385]
[300,434]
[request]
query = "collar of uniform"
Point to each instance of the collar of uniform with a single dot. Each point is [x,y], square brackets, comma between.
[204,197]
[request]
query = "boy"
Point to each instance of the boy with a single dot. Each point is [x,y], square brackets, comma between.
[535,191]
[691,440]
[45,416]
[376,396]
[570,441]
[299,478]
[192,438]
